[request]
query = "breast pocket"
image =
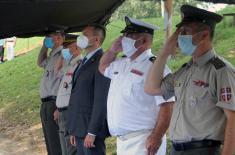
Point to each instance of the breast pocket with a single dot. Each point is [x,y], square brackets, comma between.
[136,85]
[136,80]
[201,93]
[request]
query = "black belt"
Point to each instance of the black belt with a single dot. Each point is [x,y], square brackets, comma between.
[195,145]
[62,109]
[49,98]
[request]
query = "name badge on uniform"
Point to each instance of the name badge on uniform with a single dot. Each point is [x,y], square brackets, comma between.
[201,83]
[137,72]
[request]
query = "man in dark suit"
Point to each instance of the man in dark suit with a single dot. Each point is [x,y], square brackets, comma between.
[87,106]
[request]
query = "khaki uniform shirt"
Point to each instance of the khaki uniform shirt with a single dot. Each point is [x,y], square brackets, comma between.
[65,88]
[203,89]
[51,79]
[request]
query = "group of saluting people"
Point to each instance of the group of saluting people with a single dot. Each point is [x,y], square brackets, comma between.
[134,96]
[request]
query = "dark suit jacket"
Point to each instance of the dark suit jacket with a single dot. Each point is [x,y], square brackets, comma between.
[87,109]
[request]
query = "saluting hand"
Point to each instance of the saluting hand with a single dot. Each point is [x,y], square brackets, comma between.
[89,141]
[152,144]
[116,45]
[171,44]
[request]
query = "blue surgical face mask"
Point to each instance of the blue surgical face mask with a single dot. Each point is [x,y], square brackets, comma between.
[186,44]
[49,42]
[66,54]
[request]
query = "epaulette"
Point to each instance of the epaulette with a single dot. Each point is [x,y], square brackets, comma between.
[217,62]
[123,56]
[152,59]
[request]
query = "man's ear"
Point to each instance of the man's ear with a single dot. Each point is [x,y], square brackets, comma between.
[98,39]
[142,40]
[142,43]
[205,34]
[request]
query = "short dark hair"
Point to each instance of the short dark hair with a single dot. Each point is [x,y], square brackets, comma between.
[99,30]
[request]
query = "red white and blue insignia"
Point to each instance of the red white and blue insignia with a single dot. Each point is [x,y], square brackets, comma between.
[225,94]
[137,72]
[201,83]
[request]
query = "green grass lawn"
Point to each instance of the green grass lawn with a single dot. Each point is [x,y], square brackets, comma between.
[25,43]
[20,78]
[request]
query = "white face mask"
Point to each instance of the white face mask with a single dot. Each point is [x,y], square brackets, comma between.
[128,46]
[82,41]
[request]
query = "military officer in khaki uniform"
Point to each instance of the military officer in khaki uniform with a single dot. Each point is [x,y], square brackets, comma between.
[204,113]
[48,90]
[71,58]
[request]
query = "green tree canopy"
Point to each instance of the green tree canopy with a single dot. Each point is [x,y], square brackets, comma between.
[147,8]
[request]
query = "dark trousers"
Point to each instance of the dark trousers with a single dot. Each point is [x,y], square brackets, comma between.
[99,148]
[50,128]
[1,53]
[199,151]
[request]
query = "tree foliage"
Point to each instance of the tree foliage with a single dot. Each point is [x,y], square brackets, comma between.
[138,9]
[147,8]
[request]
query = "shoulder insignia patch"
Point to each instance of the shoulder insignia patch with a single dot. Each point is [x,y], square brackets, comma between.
[217,62]
[152,59]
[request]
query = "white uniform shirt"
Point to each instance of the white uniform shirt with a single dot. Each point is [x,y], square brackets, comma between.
[65,88]
[129,108]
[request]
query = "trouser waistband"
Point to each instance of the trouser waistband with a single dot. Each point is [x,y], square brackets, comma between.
[133,134]
[49,98]
[62,109]
[195,145]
